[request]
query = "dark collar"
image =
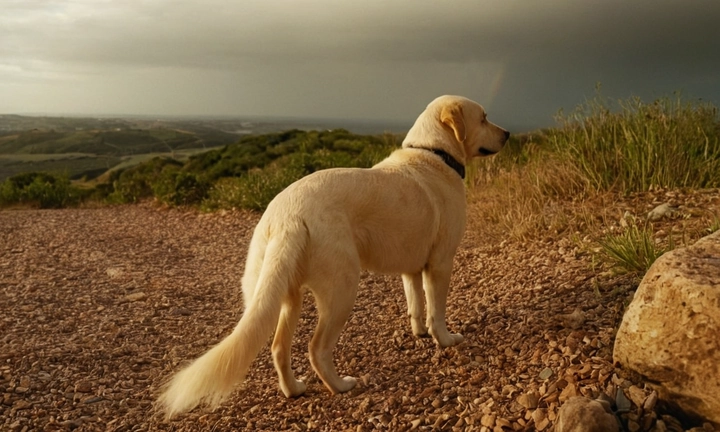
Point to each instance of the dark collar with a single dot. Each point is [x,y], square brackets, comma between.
[449,160]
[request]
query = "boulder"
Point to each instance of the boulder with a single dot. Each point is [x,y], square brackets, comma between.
[580,414]
[670,333]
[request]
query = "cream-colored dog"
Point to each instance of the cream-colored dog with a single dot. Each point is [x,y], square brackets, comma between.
[404,215]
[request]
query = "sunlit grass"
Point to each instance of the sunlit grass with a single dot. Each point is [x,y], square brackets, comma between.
[669,143]
[633,250]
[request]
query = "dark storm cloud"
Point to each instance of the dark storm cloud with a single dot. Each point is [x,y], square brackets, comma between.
[367,59]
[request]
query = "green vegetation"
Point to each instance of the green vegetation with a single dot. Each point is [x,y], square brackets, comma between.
[247,174]
[669,143]
[561,180]
[633,250]
[568,179]
[40,190]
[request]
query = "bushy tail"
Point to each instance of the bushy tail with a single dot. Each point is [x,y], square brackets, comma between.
[213,376]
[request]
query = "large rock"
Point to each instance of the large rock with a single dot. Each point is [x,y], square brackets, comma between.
[671,330]
[580,414]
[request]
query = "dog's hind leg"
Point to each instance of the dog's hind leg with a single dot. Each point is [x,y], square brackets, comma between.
[436,280]
[335,299]
[415,296]
[281,347]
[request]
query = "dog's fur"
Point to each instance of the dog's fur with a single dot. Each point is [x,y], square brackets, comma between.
[404,215]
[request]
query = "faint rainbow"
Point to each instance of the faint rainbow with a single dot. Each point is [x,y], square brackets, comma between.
[495,84]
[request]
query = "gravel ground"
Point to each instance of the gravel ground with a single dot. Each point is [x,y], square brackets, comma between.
[100,306]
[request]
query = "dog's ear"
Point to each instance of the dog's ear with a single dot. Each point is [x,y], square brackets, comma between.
[452,116]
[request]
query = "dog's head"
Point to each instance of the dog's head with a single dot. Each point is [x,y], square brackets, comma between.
[459,126]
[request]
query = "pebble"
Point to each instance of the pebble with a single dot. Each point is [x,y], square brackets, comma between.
[83,387]
[545,373]
[528,400]
[138,296]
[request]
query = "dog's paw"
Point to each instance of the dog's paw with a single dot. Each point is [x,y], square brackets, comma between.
[346,384]
[450,339]
[457,338]
[295,389]
[419,328]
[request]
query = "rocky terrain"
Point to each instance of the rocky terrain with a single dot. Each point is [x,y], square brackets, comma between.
[100,306]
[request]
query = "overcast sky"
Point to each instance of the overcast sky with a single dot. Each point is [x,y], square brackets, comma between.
[372,59]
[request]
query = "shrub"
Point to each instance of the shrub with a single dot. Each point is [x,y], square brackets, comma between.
[40,189]
[253,191]
[176,187]
[136,183]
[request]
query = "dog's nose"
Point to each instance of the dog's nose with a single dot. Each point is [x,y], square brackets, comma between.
[507,135]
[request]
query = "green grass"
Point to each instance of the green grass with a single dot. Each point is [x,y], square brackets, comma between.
[633,250]
[669,143]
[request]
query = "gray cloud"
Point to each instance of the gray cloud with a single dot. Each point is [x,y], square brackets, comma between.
[372,59]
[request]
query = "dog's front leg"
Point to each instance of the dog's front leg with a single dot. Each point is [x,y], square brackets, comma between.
[415,296]
[436,280]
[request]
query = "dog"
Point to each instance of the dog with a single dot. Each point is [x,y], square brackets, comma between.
[404,215]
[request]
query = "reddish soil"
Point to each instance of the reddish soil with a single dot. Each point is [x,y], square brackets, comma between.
[100,306]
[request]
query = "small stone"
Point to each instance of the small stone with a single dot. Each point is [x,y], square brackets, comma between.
[21,390]
[543,424]
[22,404]
[538,415]
[650,401]
[662,211]
[528,400]
[636,395]
[623,403]
[488,420]
[180,311]
[83,387]
[574,320]
[416,423]
[114,272]
[545,373]
[501,422]
[633,426]
[138,296]
[92,399]
[568,392]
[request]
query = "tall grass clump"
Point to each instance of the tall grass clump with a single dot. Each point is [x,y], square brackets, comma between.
[635,146]
[518,192]
[633,250]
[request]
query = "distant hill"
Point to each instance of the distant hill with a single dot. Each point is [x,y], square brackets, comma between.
[85,147]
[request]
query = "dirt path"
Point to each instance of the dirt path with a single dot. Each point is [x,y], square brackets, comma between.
[99,306]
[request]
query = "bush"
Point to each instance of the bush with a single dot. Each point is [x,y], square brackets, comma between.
[252,191]
[176,187]
[136,183]
[41,190]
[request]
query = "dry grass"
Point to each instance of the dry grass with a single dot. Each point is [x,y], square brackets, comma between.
[527,199]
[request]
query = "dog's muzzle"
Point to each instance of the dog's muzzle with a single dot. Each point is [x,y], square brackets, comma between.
[486,152]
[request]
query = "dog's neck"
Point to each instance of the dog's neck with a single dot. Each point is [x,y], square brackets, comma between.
[447,158]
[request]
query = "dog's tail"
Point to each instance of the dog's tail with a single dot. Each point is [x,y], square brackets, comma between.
[213,376]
